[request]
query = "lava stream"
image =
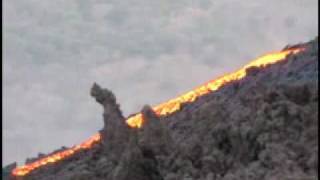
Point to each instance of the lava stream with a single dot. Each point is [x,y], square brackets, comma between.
[174,105]
[166,108]
[23,170]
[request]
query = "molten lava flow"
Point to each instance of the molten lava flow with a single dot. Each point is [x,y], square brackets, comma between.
[174,105]
[166,108]
[23,170]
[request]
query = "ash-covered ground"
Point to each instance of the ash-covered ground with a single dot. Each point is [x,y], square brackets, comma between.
[263,127]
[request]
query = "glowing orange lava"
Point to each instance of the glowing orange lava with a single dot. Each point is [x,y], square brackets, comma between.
[166,108]
[174,105]
[23,170]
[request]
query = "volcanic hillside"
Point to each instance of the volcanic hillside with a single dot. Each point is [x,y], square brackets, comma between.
[263,125]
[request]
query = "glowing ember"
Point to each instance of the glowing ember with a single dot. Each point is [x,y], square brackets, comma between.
[166,108]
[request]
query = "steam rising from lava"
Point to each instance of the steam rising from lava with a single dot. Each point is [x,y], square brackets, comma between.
[166,108]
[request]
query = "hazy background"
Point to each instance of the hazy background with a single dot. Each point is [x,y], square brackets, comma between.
[144,51]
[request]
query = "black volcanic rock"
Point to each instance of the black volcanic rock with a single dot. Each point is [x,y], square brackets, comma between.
[154,137]
[115,131]
[262,127]
[136,164]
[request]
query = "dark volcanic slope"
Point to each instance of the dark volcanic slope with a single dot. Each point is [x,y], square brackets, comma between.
[264,126]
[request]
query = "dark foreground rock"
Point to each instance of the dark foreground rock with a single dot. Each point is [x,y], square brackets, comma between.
[263,127]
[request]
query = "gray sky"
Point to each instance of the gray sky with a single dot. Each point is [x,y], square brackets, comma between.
[144,51]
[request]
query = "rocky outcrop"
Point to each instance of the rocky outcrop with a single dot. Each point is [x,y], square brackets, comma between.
[154,136]
[140,159]
[137,163]
[115,132]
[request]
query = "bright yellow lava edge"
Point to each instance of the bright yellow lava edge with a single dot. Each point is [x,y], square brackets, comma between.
[166,108]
